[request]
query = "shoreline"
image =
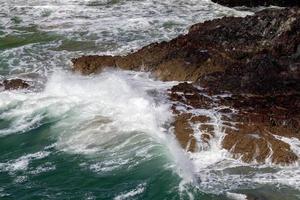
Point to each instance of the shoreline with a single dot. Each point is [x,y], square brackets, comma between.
[254,59]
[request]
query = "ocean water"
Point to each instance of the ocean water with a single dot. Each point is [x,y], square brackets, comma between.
[108,136]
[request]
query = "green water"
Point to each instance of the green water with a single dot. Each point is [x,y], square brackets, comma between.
[106,136]
[65,176]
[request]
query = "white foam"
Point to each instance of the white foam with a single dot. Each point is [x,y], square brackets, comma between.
[215,169]
[108,166]
[235,196]
[2,193]
[289,177]
[125,114]
[104,107]
[20,179]
[58,30]
[129,195]
[112,113]
[136,22]
[43,168]
[115,105]
[22,163]
[213,153]
[293,142]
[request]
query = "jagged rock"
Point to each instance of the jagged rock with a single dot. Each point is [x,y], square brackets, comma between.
[235,51]
[254,3]
[184,131]
[256,59]
[253,134]
[14,84]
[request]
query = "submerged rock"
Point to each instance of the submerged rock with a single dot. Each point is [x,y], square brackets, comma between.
[255,59]
[14,84]
[254,3]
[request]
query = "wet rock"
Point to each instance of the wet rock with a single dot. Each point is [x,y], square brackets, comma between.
[253,59]
[262,121]
[188,95]
[251,143]
[254,126]
[254,3]
[253,54]
[93,64]
[186,99]
[14,84]
[184,132]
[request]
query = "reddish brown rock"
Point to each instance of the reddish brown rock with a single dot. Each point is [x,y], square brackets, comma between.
[256,59]
[227,54]
[252,133]
[253,143]
[184,132]
[189,95]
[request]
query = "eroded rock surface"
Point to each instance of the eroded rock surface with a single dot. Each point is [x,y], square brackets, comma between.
[249,73]
[255,127]
[14,84]
[222,45]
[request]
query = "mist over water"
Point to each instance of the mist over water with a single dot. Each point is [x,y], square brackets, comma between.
[109,136]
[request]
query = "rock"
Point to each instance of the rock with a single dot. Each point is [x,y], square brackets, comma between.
[254,3]
[254,59]
[251,143]
[190,96]
[184,132]
[220,49]
[262,121]
[92,64]
[14,84]
[253,134]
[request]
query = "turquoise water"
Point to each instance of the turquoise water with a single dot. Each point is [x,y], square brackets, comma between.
[66,144]
[65,176]
[107,136]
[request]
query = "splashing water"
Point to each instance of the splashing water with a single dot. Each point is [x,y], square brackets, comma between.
[109,136]
[110,119]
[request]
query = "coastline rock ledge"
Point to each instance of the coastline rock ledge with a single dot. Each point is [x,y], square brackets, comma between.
[14,84]
[253,3]
[244,70]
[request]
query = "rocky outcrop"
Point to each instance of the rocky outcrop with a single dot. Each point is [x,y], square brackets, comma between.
[14,84]
[213,47]
[249,73]
[254,127]
[254,3]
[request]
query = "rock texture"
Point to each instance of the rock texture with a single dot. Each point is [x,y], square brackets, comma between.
[255,126]
[14,84]
[249,73]
[269,37]
[254,3]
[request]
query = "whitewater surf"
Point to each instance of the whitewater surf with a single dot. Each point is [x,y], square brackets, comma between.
[110,135]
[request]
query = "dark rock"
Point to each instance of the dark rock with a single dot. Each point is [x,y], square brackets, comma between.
[231,54]
[254,3]
[14,84]
[256,59]
[251,134]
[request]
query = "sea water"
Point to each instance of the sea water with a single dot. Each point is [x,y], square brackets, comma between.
[109,136]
